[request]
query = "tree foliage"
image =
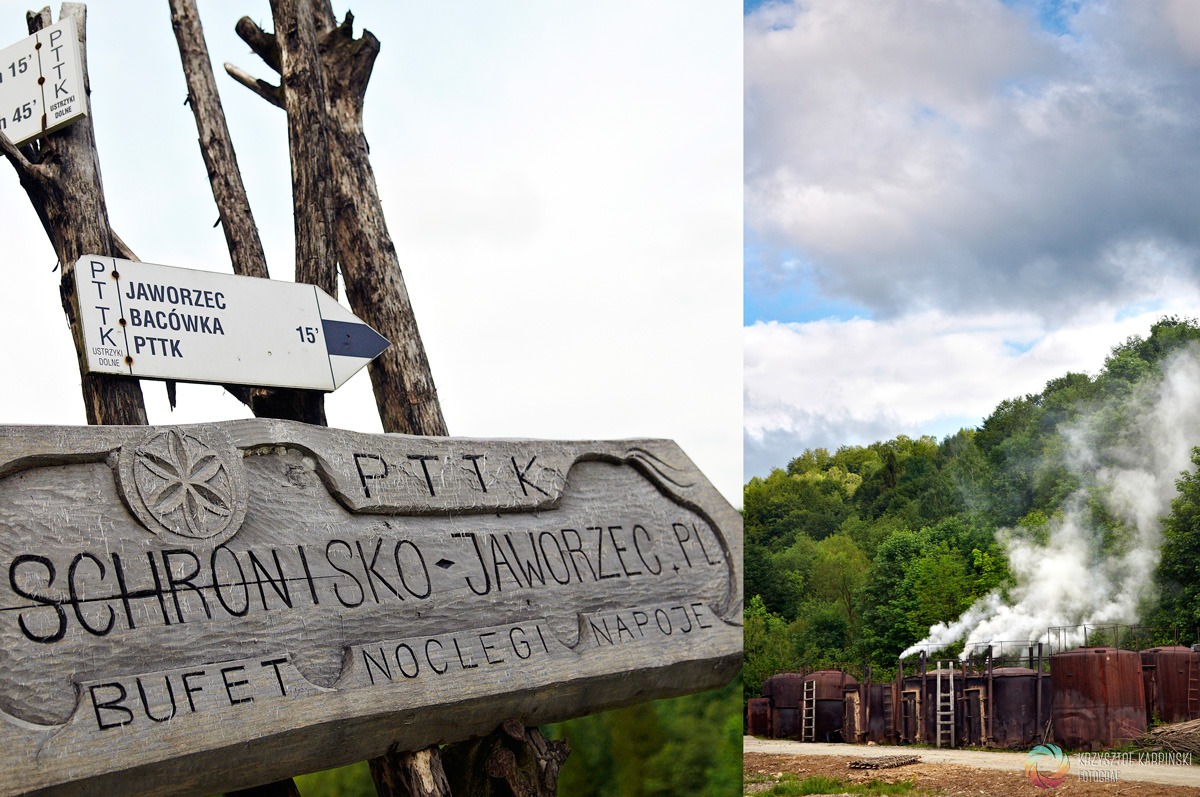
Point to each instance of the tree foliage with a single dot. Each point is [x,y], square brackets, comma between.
[687,746]
[1179,568]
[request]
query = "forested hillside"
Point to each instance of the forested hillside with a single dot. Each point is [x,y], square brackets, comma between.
[852,555]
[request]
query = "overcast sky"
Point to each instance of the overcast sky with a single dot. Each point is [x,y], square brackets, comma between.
[949,202]
[563,182]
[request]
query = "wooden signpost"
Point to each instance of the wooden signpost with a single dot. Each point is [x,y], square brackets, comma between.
[203,608]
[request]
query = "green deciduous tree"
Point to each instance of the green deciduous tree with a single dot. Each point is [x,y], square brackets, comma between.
[768,647]
[1178,573]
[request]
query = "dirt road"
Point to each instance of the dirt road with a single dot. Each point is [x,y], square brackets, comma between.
[973,772]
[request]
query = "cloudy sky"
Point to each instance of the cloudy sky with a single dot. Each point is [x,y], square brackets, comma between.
[563,181]
[949,202]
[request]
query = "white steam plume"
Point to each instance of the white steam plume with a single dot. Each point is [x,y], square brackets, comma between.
[1072,579]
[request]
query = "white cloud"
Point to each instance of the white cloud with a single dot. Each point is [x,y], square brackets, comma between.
[830,383]
[1004,203]
[950,154]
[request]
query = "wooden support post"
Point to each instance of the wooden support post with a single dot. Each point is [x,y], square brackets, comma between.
[61,175]
[513,761]
[418,774]
[241,236]
[401,377]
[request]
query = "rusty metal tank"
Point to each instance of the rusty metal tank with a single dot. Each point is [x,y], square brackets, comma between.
[1098,697]
[1015,719]
[824,717]
[1171,680]
[785,691]
[917,708]
[758,716]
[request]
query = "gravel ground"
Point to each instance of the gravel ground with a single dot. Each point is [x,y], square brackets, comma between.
[960,772]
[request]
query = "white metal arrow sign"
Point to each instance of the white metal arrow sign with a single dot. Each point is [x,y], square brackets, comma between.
[161,322]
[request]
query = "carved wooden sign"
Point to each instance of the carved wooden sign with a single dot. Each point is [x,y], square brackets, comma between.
[200,608]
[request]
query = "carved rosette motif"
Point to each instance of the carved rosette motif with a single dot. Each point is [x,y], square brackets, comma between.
[185,483]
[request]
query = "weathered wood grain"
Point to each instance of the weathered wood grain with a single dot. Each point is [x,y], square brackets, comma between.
[204,608]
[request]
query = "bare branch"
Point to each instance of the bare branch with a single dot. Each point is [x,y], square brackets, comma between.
[360,55]
[263,44]
[269,92]
[15,156]
[122,250]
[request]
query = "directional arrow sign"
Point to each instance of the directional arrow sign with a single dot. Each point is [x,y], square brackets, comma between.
[161,322]
[41,83]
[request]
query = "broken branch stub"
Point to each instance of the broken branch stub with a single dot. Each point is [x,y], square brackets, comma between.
[203,608]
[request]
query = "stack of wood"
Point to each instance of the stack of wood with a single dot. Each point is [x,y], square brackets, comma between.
[885,762]
[1179,737]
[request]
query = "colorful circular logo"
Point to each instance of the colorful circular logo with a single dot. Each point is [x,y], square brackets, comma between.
[1046,766]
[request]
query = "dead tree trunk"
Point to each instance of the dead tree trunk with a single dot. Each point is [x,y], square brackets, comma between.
[308,145]
[233,206]
[216,145]
[403,383]
[61,175]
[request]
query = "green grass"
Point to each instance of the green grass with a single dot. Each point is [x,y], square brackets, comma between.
[349,781]
[791,786]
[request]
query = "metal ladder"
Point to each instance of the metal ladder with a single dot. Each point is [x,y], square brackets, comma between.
[808,715]
[889,717]
[945,705]
[1193,689]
